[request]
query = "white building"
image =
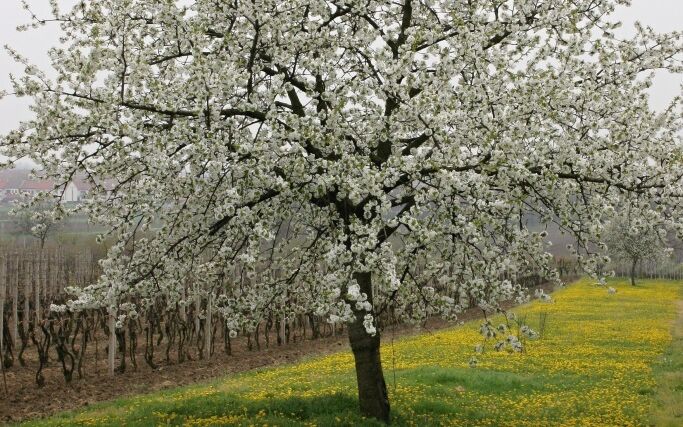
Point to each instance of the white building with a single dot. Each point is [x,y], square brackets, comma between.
[69,194]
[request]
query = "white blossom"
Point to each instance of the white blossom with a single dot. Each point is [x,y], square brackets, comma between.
[272,150]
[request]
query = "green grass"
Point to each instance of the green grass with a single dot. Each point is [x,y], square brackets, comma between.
[668,410]
[600,363]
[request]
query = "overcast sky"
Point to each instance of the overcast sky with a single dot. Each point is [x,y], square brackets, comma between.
[663,15]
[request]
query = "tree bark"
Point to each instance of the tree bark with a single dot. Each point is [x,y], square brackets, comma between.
[372,389]
[633,272]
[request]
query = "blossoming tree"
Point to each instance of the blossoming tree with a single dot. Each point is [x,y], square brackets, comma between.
[634,240]
[357,157]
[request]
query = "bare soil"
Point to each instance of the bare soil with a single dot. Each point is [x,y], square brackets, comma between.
[25,400]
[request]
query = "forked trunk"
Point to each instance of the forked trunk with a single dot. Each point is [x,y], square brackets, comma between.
[372,390]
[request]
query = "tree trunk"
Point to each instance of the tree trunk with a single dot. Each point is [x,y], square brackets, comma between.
[633,272]
[372,390]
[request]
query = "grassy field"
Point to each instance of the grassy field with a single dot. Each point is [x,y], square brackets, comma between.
[668,410]
[604,360]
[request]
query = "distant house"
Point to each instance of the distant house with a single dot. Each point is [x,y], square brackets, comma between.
[9,185]
[83,188]
[72,193]
[33,186]
[15,182]
[69,194]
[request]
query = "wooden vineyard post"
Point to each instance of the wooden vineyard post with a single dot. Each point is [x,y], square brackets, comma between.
[112,340]
[63,275]
[36,270]
[183,313]
[207,327]
[14,277]
[52,263]
[39,284]
[282,327]
[197,310]
[3,289]
[27,294]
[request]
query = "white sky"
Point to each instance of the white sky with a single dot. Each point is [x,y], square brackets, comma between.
[662,15]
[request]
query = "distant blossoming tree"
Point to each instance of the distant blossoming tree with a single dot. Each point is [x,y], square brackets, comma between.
[636,240]
[35,218]
[357,157]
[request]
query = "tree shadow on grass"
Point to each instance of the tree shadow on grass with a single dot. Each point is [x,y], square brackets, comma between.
[233,409]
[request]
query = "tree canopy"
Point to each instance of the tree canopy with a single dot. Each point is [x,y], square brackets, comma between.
[635,239]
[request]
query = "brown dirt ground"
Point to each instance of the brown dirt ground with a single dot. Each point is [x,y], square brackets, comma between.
[25,400]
